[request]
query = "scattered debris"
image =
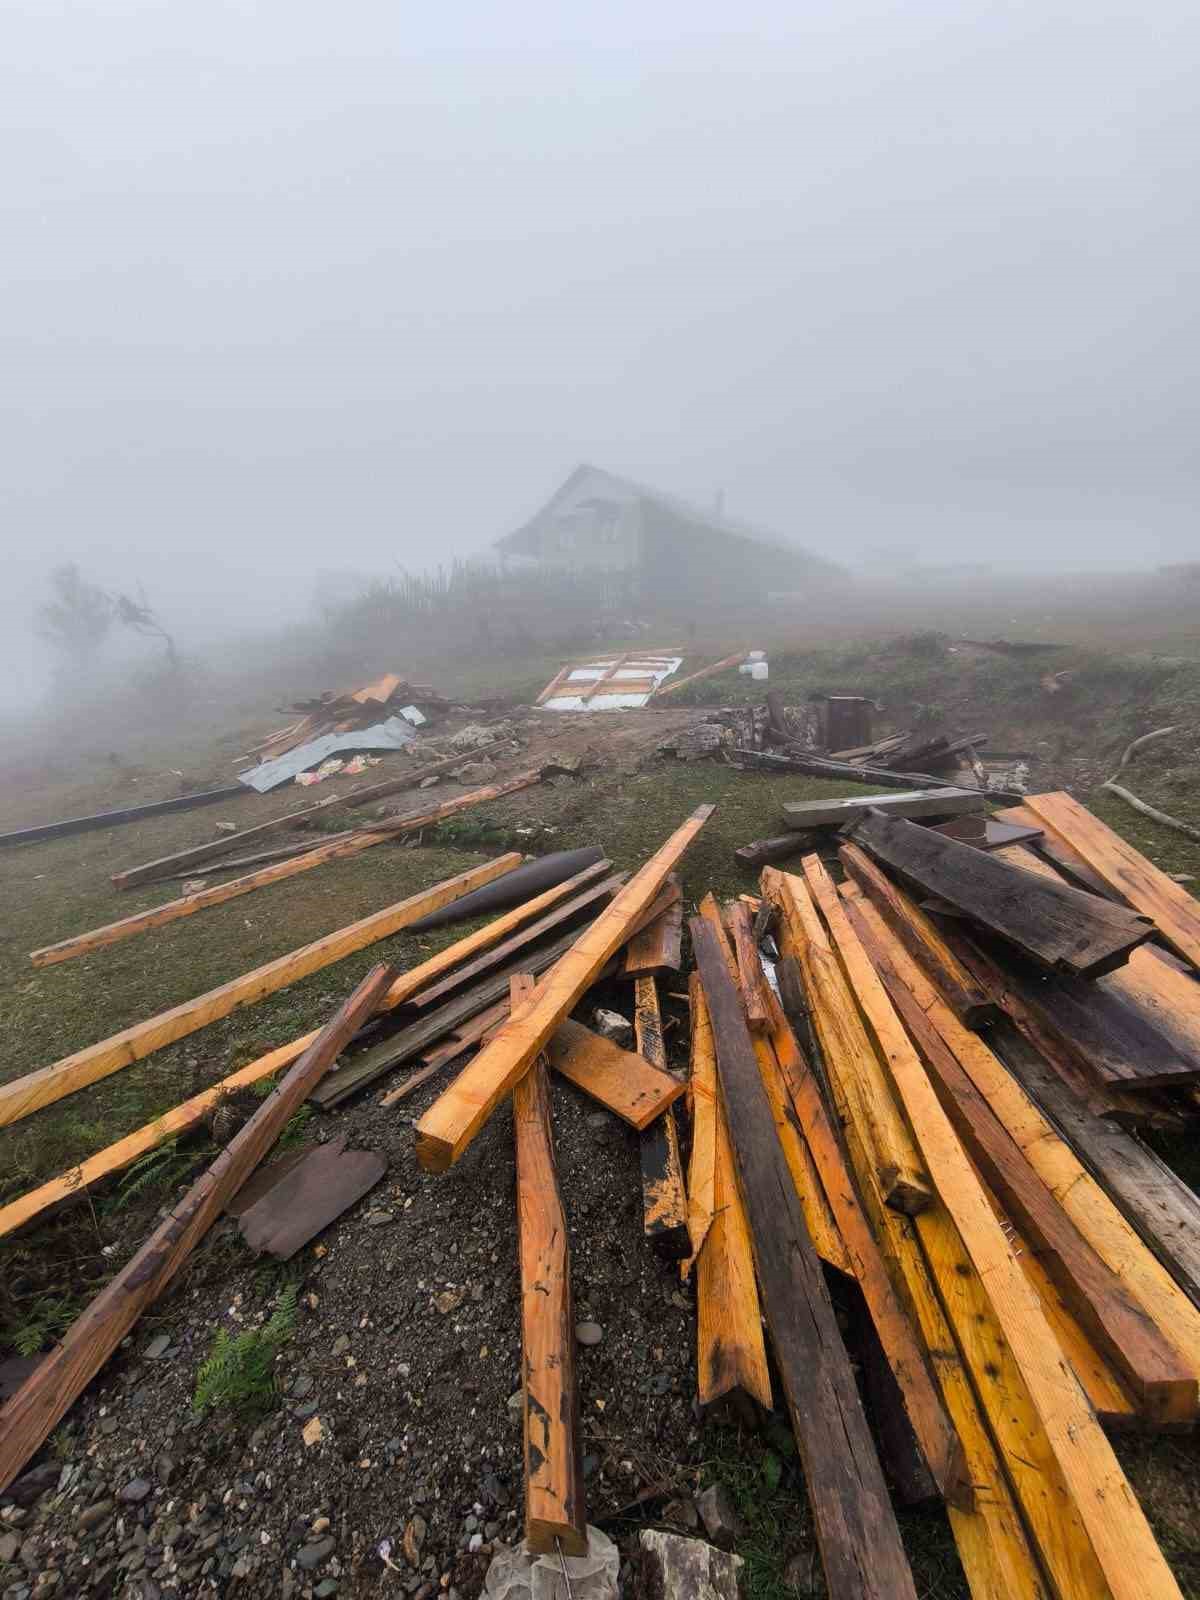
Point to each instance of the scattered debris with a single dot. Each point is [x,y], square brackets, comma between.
[609,683]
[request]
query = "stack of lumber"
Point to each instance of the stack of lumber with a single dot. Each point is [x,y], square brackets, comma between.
[344,712]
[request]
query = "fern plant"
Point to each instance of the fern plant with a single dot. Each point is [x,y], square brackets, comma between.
[240,1370]
[45,1320]
[160,1168]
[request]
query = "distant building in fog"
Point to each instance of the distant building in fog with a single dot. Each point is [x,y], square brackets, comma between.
[599,522]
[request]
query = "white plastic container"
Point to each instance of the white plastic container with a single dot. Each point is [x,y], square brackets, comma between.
[759,671]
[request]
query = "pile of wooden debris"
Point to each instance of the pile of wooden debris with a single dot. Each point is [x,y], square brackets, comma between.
[914,1091]
[343,713]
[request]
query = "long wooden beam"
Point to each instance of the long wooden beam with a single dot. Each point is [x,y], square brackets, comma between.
[62,1376]
[1125,1551]
[624,1081]
[848,1052]
[859,1540]
[1081,1198]
[112,819]
[702,1097]
[1117,1324]
[671,687]
[555,1513]
[23,1096]
[217,894]
[454,1119]
[183,1118]
[664,1197]
[1175,913]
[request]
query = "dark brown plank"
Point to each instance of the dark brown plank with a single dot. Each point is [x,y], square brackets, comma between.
[1060,928]
[657,949]
[856,1527]
[309,1197]
[664,1197]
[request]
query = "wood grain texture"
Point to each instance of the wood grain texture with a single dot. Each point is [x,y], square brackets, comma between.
[849,1052]
[1175,913]
[928,803]
[969,1001]
[940,1445]
[664,1195]
[622,1081]
[657,949]
[859,1540]
[671,685]
[23,1096]
[1059,928]
[753,984]
[28,1417]
[453,1120]
[362,839]
[307,1198]
[1120,1541]
[1120,1328]
[702,1095]
[555,1512]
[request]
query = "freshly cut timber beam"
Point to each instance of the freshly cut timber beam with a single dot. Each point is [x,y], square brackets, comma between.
[968,999]
[664,1198]
[947,802]
[454,1119]
[1078,1194]
[1061,929]
[1175,913]
[939,1443]
[21,1097]
[1120,1540]
[608,673]
[859,1540]
[750,973]
[847,1049]
[590,897]
[363,839]
[702,1094]
[1120,1328]
[671,686]
[555,684]
[62,1376]
[622,1080]
[657,949]
[555,1513]
[111,819]
[187,1116]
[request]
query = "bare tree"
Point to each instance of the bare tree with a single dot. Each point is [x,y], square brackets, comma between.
[139,616]
[76,620]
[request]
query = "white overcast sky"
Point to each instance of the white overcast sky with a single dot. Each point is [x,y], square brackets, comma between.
[286,286]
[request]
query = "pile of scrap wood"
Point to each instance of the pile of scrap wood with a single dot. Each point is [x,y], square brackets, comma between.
[915,1211]
[346,712]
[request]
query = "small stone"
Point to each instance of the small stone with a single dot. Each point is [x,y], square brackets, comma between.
[9,1545]
[108,1425]
[721,1521]
[449,1300]
[379,1219]
[164,1468]
[313,1432]
[158,1347]
[683,1513]
[689,1569]
[95,1515]
[428,783]
[341,1344]
[598,1121]
[136,1490]
[325,1588]
[302,1387]
[516,1405]
[226,827]
[242,1568]
[312,1556]
[588,1333]
[320,1526]
[612,1025]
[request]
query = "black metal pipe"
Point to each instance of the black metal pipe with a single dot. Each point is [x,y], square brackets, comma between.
[522,883]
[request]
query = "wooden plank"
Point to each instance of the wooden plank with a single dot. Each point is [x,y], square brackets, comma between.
[217,894]
[968,999]
[946,802]
[859,1540]
[1082,1199]
[22,1096]
[670,687]
[996,1553]
[555,684]
[770,852]
[29,1416]
[986,833]
[1175,913]
[112,819]
[664,1197]
[598,684]
[751,981]
[702,1094]
[1119,1327]
[591,896]
[657,950]
[1119,1537]
[1059,928]
[555,1511]
[623,1082]
[309,1197]
[847,1049]
[941,1448]
[450,1124]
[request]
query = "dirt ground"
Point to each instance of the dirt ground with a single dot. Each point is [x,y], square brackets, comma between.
[406,1343]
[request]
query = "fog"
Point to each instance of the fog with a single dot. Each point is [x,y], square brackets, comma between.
[299,287]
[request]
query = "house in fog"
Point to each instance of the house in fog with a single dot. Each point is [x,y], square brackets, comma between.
[653,544]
